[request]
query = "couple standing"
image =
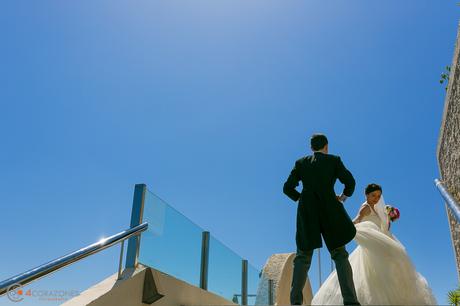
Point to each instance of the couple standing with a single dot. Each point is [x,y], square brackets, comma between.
[379,268]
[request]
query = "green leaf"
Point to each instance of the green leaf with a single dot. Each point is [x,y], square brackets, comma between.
[453,297]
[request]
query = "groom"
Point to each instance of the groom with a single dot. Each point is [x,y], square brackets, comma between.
[321,213]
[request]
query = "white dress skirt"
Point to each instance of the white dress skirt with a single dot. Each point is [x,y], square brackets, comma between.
[383,273]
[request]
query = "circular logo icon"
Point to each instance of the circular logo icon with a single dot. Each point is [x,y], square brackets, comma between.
[15,292]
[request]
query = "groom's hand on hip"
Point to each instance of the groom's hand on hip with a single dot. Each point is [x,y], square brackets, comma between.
[342,198]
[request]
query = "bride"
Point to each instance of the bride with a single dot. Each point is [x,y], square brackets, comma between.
[382,270]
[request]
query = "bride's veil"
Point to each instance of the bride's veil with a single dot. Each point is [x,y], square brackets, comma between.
[384,219]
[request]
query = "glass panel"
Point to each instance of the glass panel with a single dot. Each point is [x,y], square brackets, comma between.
[225,268]
[172,243]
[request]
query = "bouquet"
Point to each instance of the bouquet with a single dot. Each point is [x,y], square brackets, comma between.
[393,214]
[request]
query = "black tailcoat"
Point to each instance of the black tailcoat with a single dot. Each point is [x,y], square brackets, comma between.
[319,212]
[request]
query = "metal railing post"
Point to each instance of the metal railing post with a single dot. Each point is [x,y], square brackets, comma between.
[73,257]
[244,282]
[450,201]
[270,292]
[120,264]
[204,260]
[132,255]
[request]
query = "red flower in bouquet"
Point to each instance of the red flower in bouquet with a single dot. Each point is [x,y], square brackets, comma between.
[392,212]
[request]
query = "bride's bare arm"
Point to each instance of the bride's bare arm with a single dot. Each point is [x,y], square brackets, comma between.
[364,211]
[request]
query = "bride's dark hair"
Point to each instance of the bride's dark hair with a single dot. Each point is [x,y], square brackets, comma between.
[372,187]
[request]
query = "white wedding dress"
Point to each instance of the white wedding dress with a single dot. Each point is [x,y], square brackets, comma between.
[383,273]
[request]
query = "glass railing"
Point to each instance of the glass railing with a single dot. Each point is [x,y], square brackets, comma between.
[173,245]
[225,268]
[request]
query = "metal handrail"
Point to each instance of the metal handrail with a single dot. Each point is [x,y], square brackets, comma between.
[61,262]
[450,201]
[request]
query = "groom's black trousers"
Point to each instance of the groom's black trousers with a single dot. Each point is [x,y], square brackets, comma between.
[302,263]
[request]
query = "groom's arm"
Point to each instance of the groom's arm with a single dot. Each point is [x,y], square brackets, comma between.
[292,182]
[346,178]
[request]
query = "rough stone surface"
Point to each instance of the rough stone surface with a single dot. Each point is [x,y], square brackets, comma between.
[272,270]
[449,146]
[278,268]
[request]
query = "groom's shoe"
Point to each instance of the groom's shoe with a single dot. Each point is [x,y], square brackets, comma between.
[352,303]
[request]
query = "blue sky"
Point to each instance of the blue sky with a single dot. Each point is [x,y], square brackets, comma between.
[210,103]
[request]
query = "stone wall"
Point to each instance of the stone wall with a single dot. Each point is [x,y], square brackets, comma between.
[449,146]
[158,289]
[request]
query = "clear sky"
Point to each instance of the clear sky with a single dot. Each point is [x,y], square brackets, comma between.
[209,103]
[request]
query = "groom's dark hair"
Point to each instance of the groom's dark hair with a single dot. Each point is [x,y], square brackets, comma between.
[372,187]
[318,141]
